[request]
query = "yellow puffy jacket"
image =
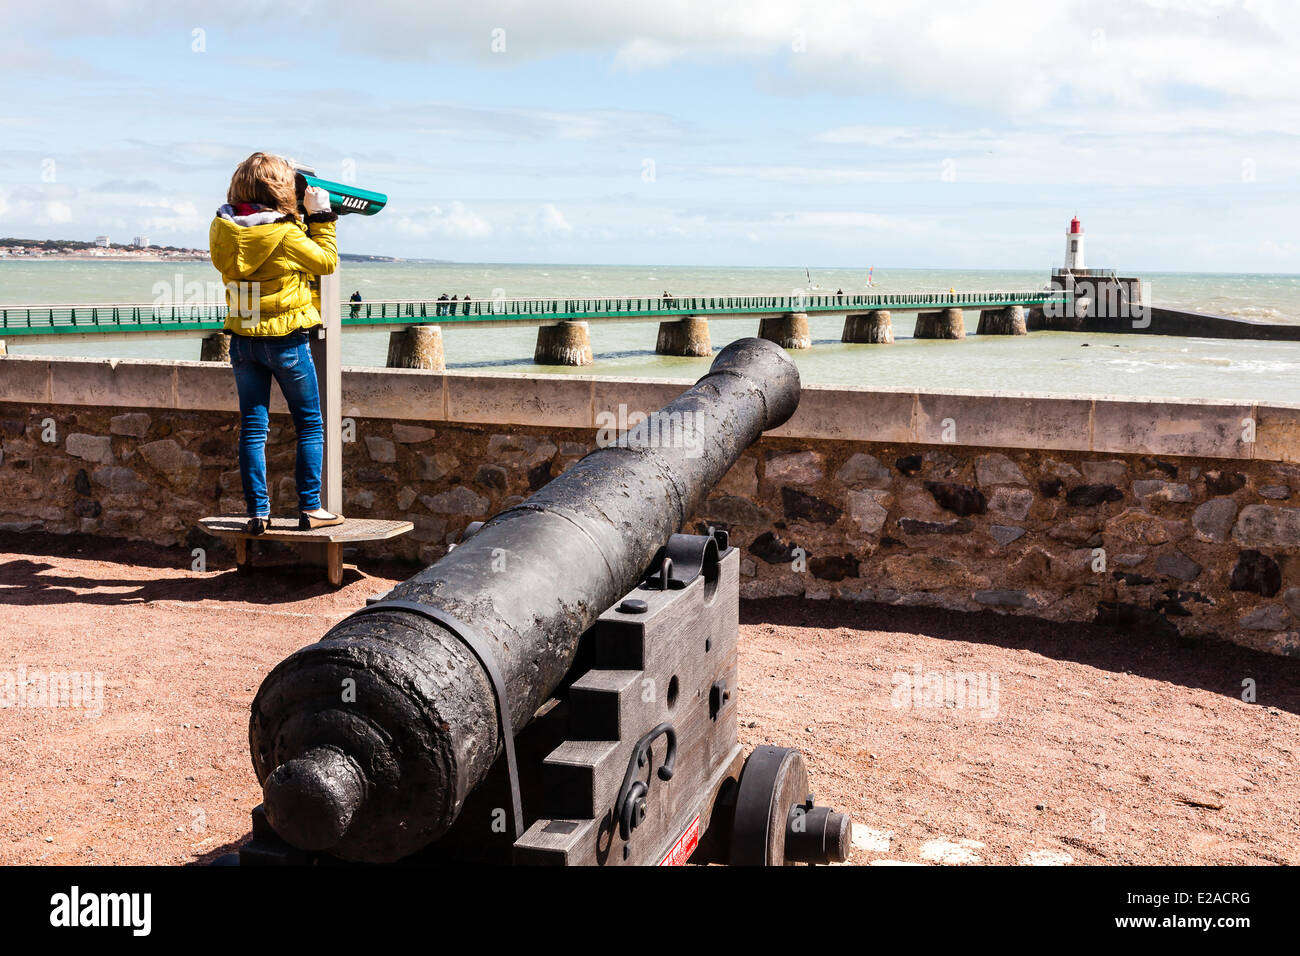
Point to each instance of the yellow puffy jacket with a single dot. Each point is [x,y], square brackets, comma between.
[270,264]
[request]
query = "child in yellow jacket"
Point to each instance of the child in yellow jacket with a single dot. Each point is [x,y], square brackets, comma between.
[271,261]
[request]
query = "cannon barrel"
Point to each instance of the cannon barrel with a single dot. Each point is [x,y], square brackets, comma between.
[367,742]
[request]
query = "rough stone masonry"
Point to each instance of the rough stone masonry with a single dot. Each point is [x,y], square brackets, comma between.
[1188,547]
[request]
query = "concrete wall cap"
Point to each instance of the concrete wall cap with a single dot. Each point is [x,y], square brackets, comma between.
[1193,427]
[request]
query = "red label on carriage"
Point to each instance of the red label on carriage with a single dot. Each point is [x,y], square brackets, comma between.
[684,847]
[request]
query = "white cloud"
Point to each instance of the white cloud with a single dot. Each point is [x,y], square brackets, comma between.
[905,137]
[810,175]
[456,222]
[167,216]
[839,219]
[1011,55]
[644,53]
[1283,252]
[1080,148]
[553,221]
[1166,117]
[31,211]
[499,222]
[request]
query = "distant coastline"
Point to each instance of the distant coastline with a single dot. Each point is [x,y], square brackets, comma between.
[191,255]
[74,250]
[73,257]
[361,257]
[63,250]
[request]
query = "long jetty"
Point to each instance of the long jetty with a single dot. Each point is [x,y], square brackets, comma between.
[562,322]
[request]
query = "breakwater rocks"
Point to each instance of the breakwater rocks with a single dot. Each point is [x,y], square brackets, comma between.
[1188,546]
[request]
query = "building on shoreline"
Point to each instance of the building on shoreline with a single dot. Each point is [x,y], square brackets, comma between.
[141,248]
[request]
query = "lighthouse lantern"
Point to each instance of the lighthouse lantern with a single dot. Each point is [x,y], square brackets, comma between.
[1074,245]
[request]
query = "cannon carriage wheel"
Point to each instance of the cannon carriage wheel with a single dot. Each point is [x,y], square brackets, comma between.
[776,822]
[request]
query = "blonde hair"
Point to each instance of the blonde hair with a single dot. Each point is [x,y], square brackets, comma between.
[266,179]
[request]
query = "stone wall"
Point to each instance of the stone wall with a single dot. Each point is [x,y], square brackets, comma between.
[1178,518]
[149,476]
[1198,548]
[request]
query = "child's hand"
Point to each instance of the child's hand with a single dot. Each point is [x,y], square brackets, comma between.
[316,199]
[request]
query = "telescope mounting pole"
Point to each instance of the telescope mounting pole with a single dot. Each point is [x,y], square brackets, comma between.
[327,355]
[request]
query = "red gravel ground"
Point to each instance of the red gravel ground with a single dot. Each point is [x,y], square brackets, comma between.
[1098,747]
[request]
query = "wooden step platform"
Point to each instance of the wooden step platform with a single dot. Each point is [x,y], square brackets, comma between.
[331,539]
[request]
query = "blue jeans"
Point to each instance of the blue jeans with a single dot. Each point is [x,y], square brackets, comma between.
[287,359]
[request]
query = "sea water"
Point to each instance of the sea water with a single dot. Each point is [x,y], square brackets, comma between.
[1043,362]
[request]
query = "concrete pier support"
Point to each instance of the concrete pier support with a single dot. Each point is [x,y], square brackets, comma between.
[790,331]
[873,327]
[565,343]
[1057,318]
[1008,321]
[688,336]
[420,346]
[215,348]
[945,324]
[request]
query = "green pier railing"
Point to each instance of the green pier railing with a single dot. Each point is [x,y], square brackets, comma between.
[90,319]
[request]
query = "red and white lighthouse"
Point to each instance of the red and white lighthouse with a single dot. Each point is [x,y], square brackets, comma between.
[1074,245]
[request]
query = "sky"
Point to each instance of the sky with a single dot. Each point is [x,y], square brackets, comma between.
[677,132]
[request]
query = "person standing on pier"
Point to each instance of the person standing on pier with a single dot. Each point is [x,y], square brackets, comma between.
[269,260]
[355,299]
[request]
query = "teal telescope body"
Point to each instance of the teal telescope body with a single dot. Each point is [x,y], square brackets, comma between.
[344,198]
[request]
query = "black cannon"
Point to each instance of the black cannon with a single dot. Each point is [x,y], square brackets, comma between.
[560,687]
